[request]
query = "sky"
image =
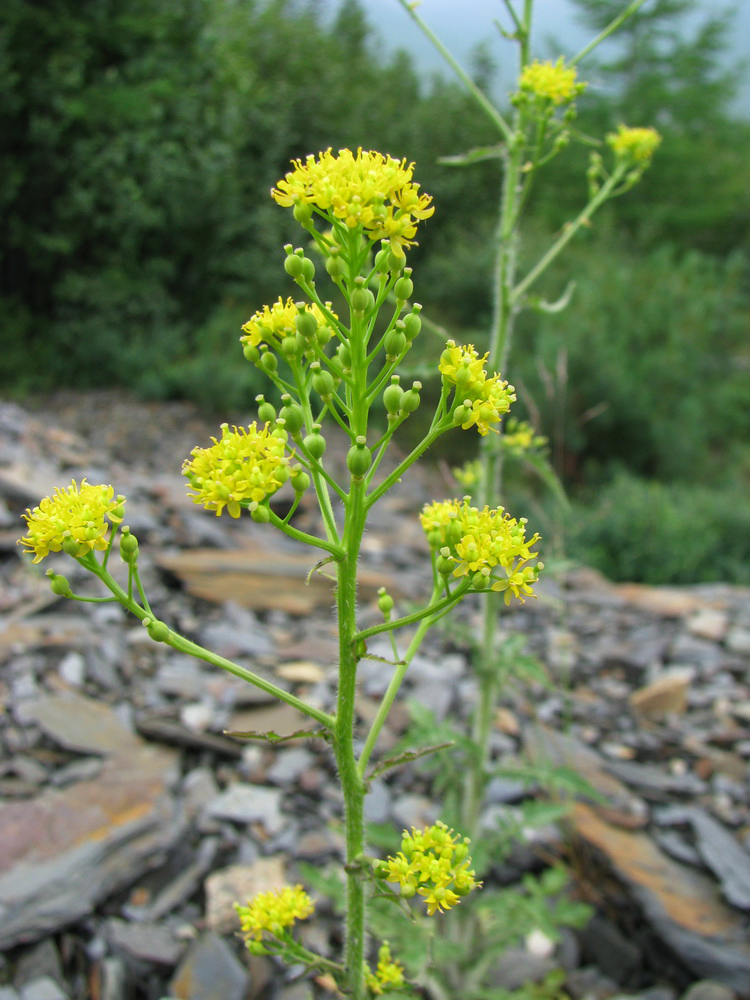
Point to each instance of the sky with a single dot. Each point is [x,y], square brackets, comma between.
[462,24]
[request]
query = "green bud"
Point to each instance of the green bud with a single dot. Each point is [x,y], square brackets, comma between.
[156,629]
[380,869]
[306,323]
[392,396]
[268,362]
[290,348]
[444,565]
[71,547]
[411,399]
[260,514]
[303,213]
[58,584]
[291,413]
[300,481]
[293,265]
[256,947]
[396,262]
[404,287]
[412,324]
[345,357]
[322,335]
[280,432]
[359,458]
[266,410]
[385,602]
[461,851]
[394,343]
[322,382]
[336,267]
[362,299]
[315,443]
[460,414]
[408,890]
[381,261]
[480,580]
[308,270]
[251,353]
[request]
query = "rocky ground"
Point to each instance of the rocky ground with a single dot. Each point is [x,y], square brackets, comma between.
[130,822]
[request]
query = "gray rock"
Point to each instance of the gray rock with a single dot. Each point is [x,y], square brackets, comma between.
[44,988]
[210,971]
[604,944]
[726,858]
[708,989]
[288,765]
[147,942]
[41,960]
[79,724]
[437,697]
[518,967]
[72,669]
[243,803]
[8,993]
[113,978]
[378,802]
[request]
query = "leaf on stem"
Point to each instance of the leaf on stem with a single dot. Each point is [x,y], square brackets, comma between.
[477,155]
[405,758]
[274,738]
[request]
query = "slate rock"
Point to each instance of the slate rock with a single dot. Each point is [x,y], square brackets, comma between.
[66,850]
[8,993]
[517,967]
[237,884]
[245,803]
[145,941]
[708,989]
[725,857]
[43,988]
[79,723]
[210,971]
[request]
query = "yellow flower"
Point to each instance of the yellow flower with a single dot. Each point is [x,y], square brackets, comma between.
[486,544]
[244,465]
[520,438]
[550,81]
[270,325]
[482,399]
[73,519]
[635,144]
[274,911]
[434,863]
[389,974]
[366,191]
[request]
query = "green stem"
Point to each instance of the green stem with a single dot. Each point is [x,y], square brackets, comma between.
[410,459]
[184,645]
[484,103]
[393,689]
[302,536]
[612,26]
[430,611]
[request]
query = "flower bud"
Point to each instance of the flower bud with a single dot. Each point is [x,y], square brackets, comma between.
[345,357]
[380,869]
[260,513]
[308,270]
[412,323]
[300,481]
[335,266]
[290,348]
[411,399]
[315,443]
[128,546]
[396,261]
[305,322]
[385,602]
[266,410]
[359,458]
[404,287]
[392,396]
[292,415]
[322,381]
[268,362]
[251,353]
[322,335]
[303,213]
[293,262]
[394,343]
[58,584]
[444,564]
[381,261]
[71,547]
[158,631]
[362,299]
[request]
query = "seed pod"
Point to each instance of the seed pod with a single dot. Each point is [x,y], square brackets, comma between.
[385,602]
[251,353]
[394,343]
[156,629]
[336,267]
[300,481]
[266,410]
[359,458]
[411,399]
[306,323]
[362,299]
[58,584]
[322,383]
[261,514]
[315,443]
[303,213]
[381,261]
[292,415]
[444,565]
[268,362]
[404,287]
[293,265]
[392,396]
[308,270]
[412,324]
[345,357]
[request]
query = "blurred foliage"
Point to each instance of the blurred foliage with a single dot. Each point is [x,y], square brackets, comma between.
[142,138]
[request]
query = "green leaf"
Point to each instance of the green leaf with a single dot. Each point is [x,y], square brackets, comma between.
[274,738]
[406,757]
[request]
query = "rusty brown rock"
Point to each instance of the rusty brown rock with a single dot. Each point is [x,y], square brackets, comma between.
[664,696]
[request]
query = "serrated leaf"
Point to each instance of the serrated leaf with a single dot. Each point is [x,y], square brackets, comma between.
[274,738]
[406,757]
[477,155]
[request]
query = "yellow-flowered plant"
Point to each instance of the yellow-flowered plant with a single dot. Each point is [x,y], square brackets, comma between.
[637,145]
[552,82]
[272,325]
[520,438]
[488,547]
[480,399]
[433,863]
[73,519]
[274,912]
[388,975]
[244,466]
[366,192]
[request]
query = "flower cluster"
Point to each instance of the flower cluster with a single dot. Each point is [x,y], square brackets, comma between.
[433,862]
[520,438]
[244,465]
[362,190]
[274,912]
[389,974]
[550,81]
[72,519]
[488,545]
[637,145]
[482,399]
[271,325]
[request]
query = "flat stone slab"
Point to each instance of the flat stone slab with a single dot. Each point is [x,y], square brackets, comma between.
[80,724]
[682,905]
[66,850]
